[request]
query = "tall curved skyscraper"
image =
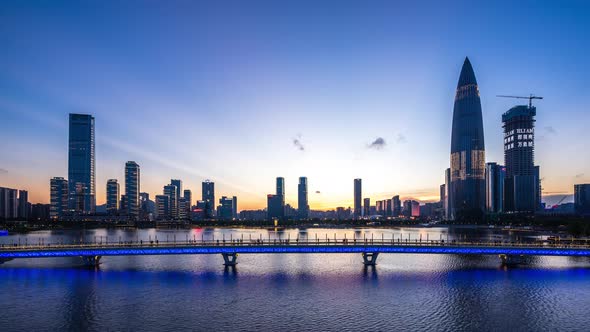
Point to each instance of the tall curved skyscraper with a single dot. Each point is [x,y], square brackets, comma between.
[467,194]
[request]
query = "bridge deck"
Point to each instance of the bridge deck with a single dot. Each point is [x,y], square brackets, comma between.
[285,247]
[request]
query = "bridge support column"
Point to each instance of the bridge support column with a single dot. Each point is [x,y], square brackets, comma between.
[91,260]
[509,260]
[230,259]
[370,258]
[4,260]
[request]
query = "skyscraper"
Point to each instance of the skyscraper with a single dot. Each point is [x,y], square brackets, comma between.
[448,199]
[467,149]
[358,197]
[521,184]
[81,164]
[170,191]
[178,184]
[495,175]
[188,195]
[274,207]
[132,188]
[112,196]
[58,197]
[397,206]
[162,207]
[302,203]
[24,206]
[225,210]
[208,196]
[235,207]
[281,186]
[8,203]
[366,207]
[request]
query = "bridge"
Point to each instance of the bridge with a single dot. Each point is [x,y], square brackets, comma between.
[91,253]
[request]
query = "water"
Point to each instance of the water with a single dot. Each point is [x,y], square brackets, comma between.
[301,292]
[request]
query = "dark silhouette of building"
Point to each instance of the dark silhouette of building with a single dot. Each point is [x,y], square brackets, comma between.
[171,191]
[8,203]
[366,207]
[521,185]
[178,184]
[162,207]
[132,188]
[582,199]
[59,197]
[208,196]
[274,207]
[40,212]
[358,197]
[302,202]
[467,149]
[81,164]
[225,210]
[24,207]
[113,194]
[397,206]
[495,175]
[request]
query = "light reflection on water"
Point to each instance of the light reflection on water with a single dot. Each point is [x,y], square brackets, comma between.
[307,292]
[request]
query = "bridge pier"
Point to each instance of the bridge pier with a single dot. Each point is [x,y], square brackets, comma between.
[4,260]
[370,258]
[508,260]
[230,259]
[91,260]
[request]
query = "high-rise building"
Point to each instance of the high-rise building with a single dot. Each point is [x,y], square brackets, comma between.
[81,164]
[366,207]
[171,191]
[397,206]
[582,199]
[183,209]
[146,206]
[415,209]
[275,207]
[40,212]
[225,210]
[235,207]
[24,207]
[495,175]
[358,197]
[281,186]
[123,207]
[188,195]
[407,212]
[179,192]
[132,188]
[208,196]
[448,198]
[59,197]
[388,207]
[521,183]
[113,194]
[302,202]
[467,149]
[8,203]
[279,198]
[162,207]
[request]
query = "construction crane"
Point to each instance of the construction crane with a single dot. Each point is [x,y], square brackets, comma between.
[530,98]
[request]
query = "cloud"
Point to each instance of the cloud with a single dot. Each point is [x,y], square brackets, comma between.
[580,175]
[298,144]
[401,139]
[3,171]
[317,192]
[377,144]
[550,130]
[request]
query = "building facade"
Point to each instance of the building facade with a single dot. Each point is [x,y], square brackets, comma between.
[8,203]
[171,191]
[302,199]
[24,207]
[495,176]
[81,164]
[208,196]
[132,188]
[358,197]
[59,197]
[521,183]
[467,149]
[113,196]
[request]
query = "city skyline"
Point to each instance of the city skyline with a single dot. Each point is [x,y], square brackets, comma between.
[285,113]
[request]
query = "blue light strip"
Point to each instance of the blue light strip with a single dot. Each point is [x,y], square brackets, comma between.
[293,249]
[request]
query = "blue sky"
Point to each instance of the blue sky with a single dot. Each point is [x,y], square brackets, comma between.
[220,90]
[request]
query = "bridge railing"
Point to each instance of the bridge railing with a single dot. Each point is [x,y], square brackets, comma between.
[284,242]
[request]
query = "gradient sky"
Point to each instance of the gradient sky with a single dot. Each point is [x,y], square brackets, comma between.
[221,89]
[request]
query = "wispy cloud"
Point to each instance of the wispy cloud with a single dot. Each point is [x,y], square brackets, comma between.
[297,143]
[377,144]
[3,171]
[550,130]
[580,175]
[401,139]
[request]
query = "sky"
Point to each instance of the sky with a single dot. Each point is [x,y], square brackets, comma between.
[240,92]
